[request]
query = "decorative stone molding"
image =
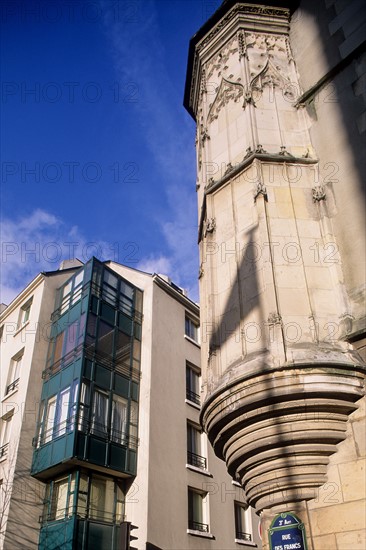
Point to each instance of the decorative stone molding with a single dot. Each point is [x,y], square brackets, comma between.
[203,83]
[242,45]
[201,272]
[319,193]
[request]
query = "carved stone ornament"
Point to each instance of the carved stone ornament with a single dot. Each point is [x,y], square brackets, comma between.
[204,135]
[218,64]
[212,351]
[274,318]
[229,168]
[346,320]
[319,193]
[238,8]
[242,45]
[248,99]
[283,152]
[260,189]
[203,82]
[227,91]
[249,153]
[210,225]
[201,272]
[260,150]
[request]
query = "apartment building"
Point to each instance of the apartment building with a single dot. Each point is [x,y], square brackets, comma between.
[100,419]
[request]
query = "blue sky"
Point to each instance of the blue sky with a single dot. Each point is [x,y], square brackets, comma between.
[97,151]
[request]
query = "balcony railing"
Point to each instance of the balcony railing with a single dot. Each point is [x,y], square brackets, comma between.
[4,450]
[12,386]
[90,353]
[196,460]
[197,526]
[243,536]
[192,396]
[88,427]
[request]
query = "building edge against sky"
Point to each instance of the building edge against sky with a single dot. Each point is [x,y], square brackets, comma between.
[100,403]
[277,91]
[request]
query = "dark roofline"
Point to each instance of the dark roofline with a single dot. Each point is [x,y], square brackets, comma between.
[211,22]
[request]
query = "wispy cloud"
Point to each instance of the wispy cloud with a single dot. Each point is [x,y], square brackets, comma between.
[138,54]
[39,242]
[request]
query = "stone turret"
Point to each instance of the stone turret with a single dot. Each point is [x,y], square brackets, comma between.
[280,377]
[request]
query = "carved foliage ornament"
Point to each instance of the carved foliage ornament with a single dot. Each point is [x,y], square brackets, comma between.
[227,91]
[238,8]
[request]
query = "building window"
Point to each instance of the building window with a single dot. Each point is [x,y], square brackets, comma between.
[197,511]
[66,344]
[94,496]
[70,293]
[14,372]
[5,434]
[243,526]
[192,329]
[59,502]
[99,419]
[119,420]
[101,502]
[25,312]
[194,447]
[107,415]
[58,414]
[193,384]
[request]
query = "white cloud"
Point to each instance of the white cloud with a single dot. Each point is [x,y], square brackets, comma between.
[158,264]
[39,242]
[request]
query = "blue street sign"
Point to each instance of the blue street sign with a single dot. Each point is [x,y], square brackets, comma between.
[287,533]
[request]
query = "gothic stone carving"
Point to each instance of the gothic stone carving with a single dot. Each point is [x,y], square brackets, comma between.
[319,193]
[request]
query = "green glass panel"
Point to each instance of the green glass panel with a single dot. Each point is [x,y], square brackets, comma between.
[97,451]
[117,458]
[134,391]
[108,313]
[88,369]
[137,331]
[100,536]
[102,377]
[121,385]
[131,462]
[94,304]
[125,323]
